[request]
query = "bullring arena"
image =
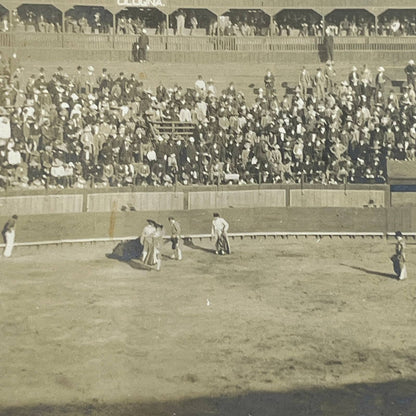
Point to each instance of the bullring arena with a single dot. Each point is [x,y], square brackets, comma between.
[306,316]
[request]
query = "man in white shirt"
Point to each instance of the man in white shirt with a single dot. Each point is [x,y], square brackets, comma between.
[146,237]
[9,235]
[200,85]
[185,115]
[220,233]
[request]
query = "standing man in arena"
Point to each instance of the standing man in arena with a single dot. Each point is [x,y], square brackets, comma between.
[9,235]
[399,257]
[220,233]
[154,257]
[175,235]
[146,237]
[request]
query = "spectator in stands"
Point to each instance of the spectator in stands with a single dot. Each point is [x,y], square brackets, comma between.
[162,27]
[329,42]
[4,24]
[330,75]
[380,81]
[106,133]
[180,23]
[194,23]
[319,84]
[269,83]
[410,71]
[304,82]
[200,86]
[143,43]
[211,89]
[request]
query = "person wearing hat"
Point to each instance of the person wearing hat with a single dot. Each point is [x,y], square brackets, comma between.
[146,237]
[269,81]
[143,44]
[8,233]
[354,79]
[366,74]
[175,235]
[219,232]
[153,256]
[304,82]
[410,71]
[380,81]
[399,257]
[211,87]
[329,42]
[319,83]
[79,80]
[330,75]
[91,83]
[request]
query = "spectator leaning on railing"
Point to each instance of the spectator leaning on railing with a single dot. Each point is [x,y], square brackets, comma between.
[102,130]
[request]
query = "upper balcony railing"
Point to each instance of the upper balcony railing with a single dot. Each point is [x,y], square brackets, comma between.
[202,43]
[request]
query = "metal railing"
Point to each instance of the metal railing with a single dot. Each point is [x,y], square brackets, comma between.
[174,128]
[233,236]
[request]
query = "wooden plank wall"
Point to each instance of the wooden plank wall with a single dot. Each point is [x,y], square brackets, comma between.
[168,201]
[68,56]
[400,199]
[140,201]
[237,199]
[335,198]
[47,204]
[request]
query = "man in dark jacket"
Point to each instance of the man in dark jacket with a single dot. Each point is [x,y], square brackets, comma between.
[410,71]
[143,42]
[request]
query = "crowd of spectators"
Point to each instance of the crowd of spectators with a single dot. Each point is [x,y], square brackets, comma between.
[352,24]
[27,19]
[95,129]
[79,20]
[402,25]
[46,20]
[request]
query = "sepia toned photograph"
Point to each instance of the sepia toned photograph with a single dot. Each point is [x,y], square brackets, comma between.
[208,208]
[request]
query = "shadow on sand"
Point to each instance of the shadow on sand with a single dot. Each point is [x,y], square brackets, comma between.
[374,272]
[189,243]
[388,398]
[129,252]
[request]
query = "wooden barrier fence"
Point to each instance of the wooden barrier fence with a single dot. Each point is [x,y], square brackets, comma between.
[139,201]
[336,198]
[237,199]
[194,198]
[41,204]
[174,127]
[203,43]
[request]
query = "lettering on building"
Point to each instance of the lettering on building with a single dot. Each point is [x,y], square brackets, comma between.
[140,3]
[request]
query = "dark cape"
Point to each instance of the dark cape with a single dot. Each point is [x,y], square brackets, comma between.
[127,250]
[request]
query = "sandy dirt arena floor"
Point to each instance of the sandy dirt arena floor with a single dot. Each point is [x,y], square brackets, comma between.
[280,327]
